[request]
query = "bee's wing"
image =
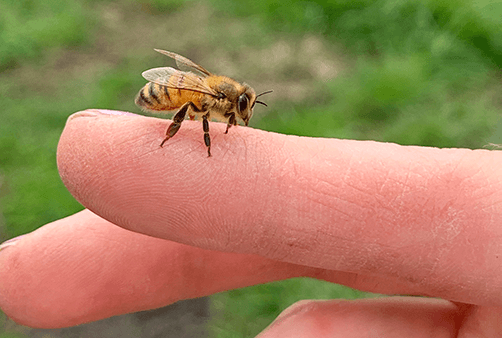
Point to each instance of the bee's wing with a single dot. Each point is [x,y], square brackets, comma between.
[185,64]
[185,80]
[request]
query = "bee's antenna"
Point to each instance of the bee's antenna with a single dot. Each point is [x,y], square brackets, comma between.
[260,102]
[268,91]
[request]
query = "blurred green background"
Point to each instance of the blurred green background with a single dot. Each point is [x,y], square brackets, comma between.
[411,72]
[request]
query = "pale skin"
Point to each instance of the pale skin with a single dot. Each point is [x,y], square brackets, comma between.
[374,216]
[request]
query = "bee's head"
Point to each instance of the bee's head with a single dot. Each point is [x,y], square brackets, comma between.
[246,102]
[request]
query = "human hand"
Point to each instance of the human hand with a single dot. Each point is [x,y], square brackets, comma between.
[377,217]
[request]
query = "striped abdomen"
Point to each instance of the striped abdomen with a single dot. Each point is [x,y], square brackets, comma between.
[161,98]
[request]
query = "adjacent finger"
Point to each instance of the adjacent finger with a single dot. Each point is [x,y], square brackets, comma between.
[83,268]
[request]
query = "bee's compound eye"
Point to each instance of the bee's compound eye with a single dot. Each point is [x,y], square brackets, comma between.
[243,102]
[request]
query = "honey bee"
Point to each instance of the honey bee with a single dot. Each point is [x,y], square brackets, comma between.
[195,91]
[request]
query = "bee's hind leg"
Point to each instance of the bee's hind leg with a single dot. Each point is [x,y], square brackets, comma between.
[207,139]
[177,120]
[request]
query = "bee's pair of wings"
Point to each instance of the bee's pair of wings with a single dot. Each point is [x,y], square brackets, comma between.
[191,79]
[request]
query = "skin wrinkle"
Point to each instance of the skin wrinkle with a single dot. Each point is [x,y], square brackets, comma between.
[347,183]
[318,189]
[478,193]
[202,193]
[234,236]
[408,176]
[386,180]
[358,257]
[487,195]
[478,171]
[272,178]
[260,243]
[279,177]
[262,231]
[384,204]
[309,238]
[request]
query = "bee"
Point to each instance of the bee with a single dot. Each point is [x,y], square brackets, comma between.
[195,91]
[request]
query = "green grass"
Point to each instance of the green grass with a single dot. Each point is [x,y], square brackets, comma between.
[399,99]
[424,72]
[27,28]
[12,335]
[412,72]
[246,312]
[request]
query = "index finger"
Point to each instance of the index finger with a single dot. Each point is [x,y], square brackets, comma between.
[429,218]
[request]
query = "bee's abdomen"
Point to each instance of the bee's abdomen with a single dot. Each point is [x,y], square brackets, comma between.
[154,97]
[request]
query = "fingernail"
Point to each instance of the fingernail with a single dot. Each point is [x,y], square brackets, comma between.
[10,242]
[99,112]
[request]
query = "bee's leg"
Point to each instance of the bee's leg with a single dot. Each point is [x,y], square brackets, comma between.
[231,122]
[177,119]
[207,139]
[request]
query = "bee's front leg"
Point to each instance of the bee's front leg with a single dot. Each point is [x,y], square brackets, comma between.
[177,120]
[231,122]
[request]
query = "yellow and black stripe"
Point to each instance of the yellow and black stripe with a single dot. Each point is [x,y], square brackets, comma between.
[154,97]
